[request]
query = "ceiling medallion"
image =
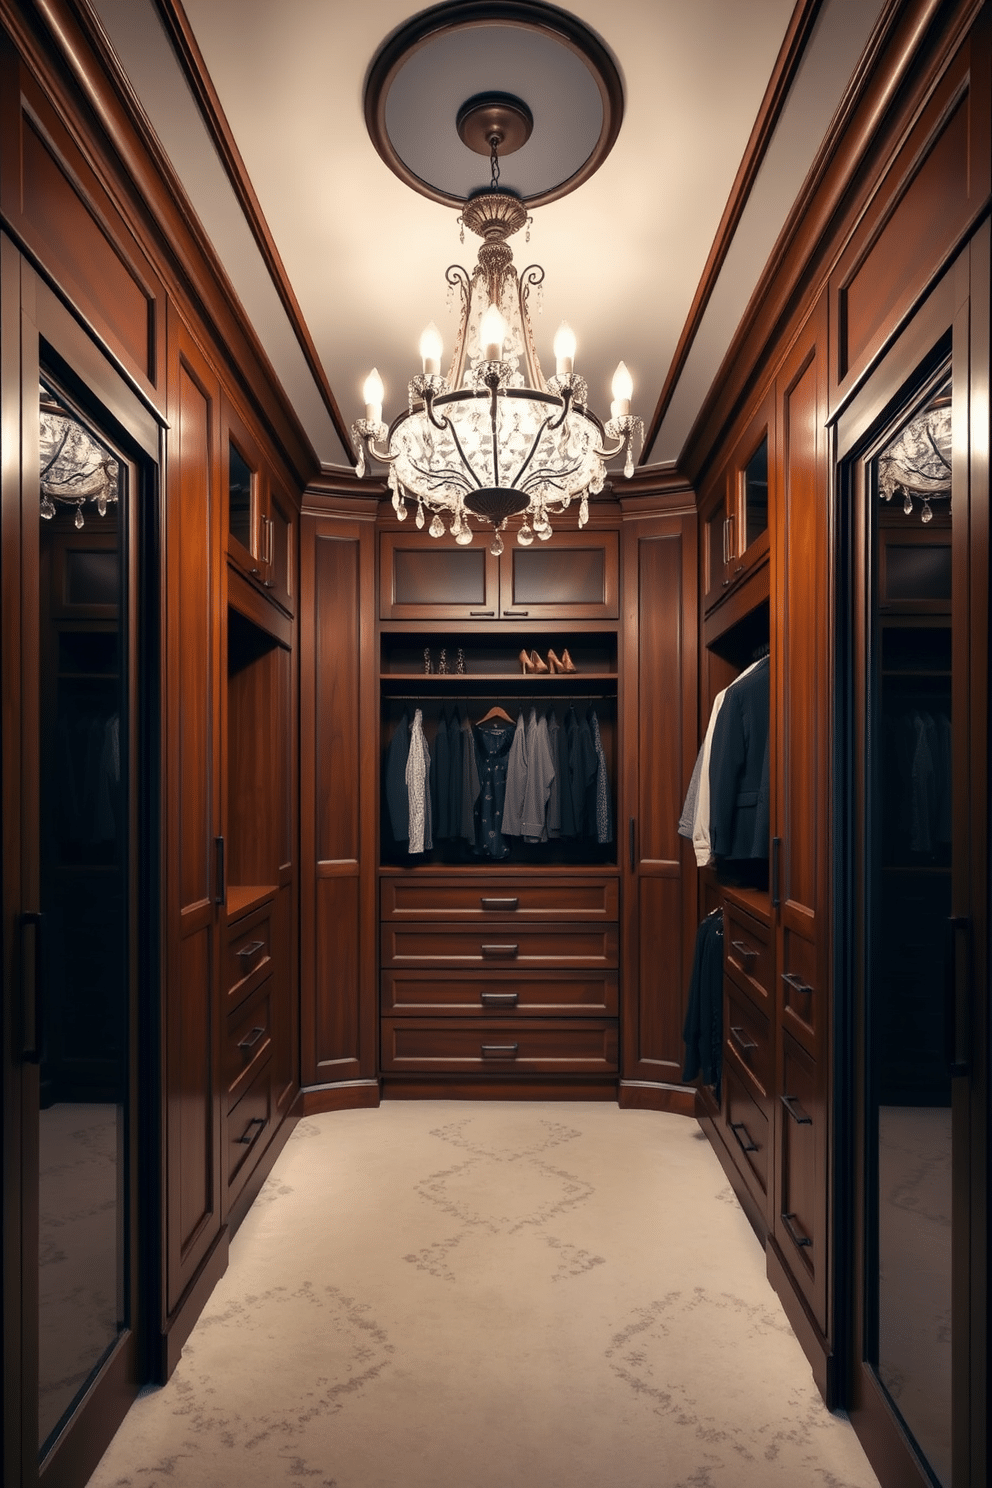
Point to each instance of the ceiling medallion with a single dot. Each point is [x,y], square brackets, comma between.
[492,438]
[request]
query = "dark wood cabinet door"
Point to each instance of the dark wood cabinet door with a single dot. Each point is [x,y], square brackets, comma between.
[658,751]
[574,576]
[423,578]
[281,528]
[714,526]
[339,803]
[193,1175]
[242,494]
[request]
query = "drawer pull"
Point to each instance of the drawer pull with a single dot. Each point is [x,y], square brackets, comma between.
[485,614]
[793,1233]
[499,999]
[247,1138]
[741,1040]
[500,1051]
[500,950]
[499,903]
[251,1039]
[251,949]
[795,1110]
[796,982]
[743,949]
[748,1145]
[515,614]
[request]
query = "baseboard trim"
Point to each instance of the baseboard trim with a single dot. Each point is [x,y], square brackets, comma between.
[644,1095]
[408,1087]
[814,1345]
[349,1095]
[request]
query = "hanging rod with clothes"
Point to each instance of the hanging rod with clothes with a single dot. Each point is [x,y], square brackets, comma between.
[510,697]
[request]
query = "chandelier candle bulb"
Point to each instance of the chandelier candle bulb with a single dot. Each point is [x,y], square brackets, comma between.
[564,349]
[373,393]
[492,334]
[431,347]
[623,391]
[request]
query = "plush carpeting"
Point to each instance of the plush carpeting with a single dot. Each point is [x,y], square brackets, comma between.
[501,1295]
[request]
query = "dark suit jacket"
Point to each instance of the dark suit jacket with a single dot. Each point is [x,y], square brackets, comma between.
[739,788]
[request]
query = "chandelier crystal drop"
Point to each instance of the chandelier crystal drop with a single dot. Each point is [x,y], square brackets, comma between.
[493,438]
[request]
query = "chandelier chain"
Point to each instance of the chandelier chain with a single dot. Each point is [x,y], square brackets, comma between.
[494,161]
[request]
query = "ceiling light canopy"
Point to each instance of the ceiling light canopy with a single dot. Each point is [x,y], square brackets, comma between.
[493,437]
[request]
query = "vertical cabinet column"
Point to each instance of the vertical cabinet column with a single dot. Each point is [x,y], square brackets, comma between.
[659,713]
[194,877]
[338,716]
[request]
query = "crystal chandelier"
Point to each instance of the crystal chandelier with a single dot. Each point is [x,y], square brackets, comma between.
[492,438]
[917,464]
[75,468]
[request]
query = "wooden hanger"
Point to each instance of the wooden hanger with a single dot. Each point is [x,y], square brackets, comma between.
[495,712]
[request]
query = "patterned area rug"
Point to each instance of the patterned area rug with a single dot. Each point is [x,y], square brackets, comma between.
[499,1295]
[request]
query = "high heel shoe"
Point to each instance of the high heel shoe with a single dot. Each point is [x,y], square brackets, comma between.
[567,663]
[536,663]
[554,663]
[526,665]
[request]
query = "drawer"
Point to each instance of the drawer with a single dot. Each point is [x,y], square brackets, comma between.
[587,995]
[748,1131]
[248,1042]
[748,1037]
[461,899]
[799,991]
[801,1220]
[248,1125]
[249,954]
[500,945]
[499,1046]
[748,950]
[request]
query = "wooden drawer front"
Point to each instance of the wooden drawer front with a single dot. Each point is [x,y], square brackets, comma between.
[248,1125]
[436,1045]
[749,1131]
[500,946]
[587,995]
[800,998]
[800,1224]
[747,949]
[403,899]
[748,1038]
[249,1041]
[249,954]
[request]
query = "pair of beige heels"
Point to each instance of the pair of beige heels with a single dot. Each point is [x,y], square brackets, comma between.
[533,663]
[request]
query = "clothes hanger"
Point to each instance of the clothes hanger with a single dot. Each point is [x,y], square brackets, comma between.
[495,712]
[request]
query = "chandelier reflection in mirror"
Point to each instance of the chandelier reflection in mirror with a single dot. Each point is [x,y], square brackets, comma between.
[917,464]
[75,467]
[493,438]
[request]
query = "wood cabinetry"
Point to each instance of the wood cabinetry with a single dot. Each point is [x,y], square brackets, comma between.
[733,515]
[261,522]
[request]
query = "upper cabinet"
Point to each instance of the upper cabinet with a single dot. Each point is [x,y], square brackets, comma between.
[261,520]
[734,517]
[573,577]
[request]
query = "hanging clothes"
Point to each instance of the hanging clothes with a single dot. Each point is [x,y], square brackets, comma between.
[397,794]
[702,1031]
[540,774]
[440,781]
[492,749]
[738,774]
[454,774]
[603,813]
[417,773]
[566,801]
[516,781]
[554,796]
[471,786]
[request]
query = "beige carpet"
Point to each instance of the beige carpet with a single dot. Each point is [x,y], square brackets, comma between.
[503,1295]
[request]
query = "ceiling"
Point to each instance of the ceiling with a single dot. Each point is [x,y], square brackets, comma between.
[366,255]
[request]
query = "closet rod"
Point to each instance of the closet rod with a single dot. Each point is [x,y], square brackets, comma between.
[517,697]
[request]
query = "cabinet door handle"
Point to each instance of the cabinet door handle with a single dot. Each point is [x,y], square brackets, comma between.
[795,1110]
[246,1138]
[499,999]
[749,1145]
[793,1233]
[499,903]
[516,614]
[251,949]
[743,949]
[500,950]
[220,895]
[741,1040]
[251,1039]
[796,982]
[32,1016]
[500,1051]
[484,614]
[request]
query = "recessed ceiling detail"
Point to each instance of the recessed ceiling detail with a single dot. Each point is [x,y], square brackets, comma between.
[424,74]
